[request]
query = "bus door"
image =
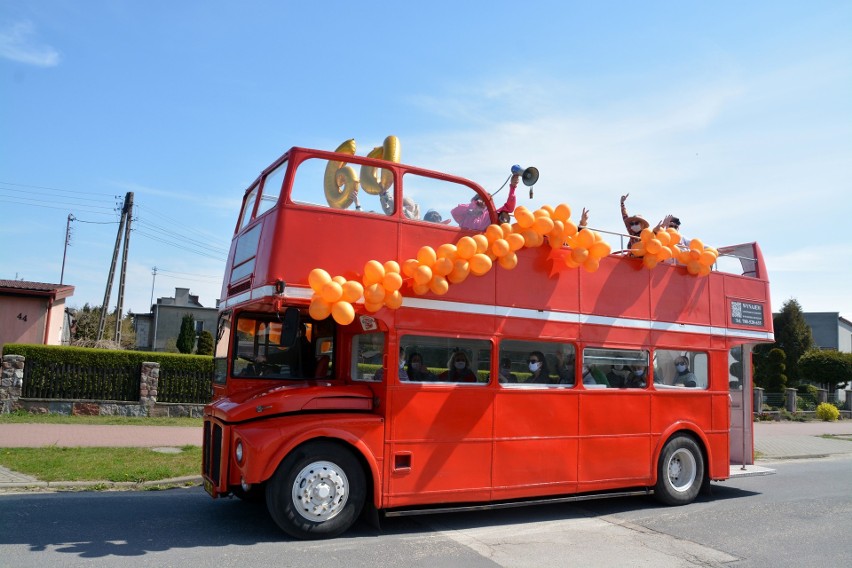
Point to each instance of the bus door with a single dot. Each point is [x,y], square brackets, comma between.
[740,383]
[440,422]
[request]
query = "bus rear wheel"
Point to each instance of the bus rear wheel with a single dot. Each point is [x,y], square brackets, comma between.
[317,491]
[680,473]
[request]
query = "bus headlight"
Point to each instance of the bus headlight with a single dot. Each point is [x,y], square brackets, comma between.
[238,451]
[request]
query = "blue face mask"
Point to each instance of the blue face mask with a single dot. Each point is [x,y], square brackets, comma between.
[639,372]
[680,368]
[460,365]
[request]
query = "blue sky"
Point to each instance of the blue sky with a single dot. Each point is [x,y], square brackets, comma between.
[735,116]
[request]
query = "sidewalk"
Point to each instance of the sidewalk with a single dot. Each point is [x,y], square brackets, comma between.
[772,440]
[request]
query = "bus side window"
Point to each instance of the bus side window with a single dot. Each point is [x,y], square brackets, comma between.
[680,368]
[445,359]
[617,366]
[309,188]
[537,363]
[369,353]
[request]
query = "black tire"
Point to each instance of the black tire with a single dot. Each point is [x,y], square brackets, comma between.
[680,473]
[318,491]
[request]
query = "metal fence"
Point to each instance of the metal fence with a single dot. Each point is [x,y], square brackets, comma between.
[67,381]
[184,387]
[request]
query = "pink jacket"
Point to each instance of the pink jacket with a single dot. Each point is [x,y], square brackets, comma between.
[474,218]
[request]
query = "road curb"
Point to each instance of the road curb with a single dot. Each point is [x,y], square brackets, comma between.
[190,480]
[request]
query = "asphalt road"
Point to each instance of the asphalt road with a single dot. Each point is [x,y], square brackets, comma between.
[798,517]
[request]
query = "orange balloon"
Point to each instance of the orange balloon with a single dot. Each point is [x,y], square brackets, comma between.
[707,258]
[343,313]
[392,281]
[652,246]
[650,261]
[391,266]
[570,229]
[422,275]
[664,237]
[500,247]
[531,238]
[524,218]
[599,250]
[638,249]
[439,285]
[543,225]
[684,256]
[704,270]
[549,209]
[461,270]
[317,279]
[352,291]
[674,236]
[373,306]
[339,279]
[516,241]
[466,247]
[586,238]
[374,293]
[646,235]
[443,266]
[331,292]
[409,266]
[561,212]
[420,289]
[693,267]
[393,300]
[580,255]
[479,264]
[493,232]
[541,212]
[507,229]
[374,271]
[696,244]
[426,256]
[570,262]
[319,310]
[508,261]
[481,243]
[665,253]
[591,265]
[446,251]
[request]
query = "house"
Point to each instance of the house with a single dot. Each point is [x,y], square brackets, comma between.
[830,331]
[159,330]
[34,312]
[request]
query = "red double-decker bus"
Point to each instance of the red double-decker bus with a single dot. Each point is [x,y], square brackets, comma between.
[533,380]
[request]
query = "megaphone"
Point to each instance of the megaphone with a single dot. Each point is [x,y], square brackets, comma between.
[528,176]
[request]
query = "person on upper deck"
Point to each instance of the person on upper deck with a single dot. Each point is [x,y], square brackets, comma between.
[633,223]
[672,221]
[474,215]
[458,369]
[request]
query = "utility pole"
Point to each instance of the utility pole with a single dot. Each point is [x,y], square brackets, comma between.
[153,280]
[111,275]
[67,242]
[128,214]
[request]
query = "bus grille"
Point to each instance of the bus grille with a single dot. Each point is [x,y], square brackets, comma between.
[212,451]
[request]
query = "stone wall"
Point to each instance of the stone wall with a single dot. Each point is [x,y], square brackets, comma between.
[12,381]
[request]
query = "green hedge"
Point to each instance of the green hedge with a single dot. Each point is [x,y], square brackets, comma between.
[183,378]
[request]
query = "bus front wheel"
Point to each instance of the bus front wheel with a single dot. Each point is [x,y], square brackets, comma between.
[680,473]
[317,491]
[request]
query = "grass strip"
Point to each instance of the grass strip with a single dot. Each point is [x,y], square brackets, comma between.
[27,418]
[53,463]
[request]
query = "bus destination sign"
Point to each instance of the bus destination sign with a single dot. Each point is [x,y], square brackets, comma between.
[747,313]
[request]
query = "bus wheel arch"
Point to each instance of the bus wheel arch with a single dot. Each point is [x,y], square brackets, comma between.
[318,490]
[681,470]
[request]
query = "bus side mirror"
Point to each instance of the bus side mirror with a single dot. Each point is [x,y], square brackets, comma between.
[289,327]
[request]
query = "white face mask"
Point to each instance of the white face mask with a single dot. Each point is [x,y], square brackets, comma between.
[635,227]
[535,366]
[460,365]
[680,368]
[639,372]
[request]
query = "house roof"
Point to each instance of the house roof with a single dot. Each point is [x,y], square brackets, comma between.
[26,288]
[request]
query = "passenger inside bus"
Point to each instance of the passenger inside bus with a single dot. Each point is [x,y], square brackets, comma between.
[505,374]
[617,376]
[415,369]
[684,376]
[565,365]
[458,369]
[637,378]
[539,371]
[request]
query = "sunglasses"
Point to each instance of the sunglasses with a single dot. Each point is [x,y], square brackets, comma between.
[533,361]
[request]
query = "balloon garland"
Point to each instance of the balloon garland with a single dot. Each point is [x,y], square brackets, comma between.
[661,246]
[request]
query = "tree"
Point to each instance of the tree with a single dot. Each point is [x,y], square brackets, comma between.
[830,369]
[776,379]
[85,329]
[205,343]
[792,335]
[186,337]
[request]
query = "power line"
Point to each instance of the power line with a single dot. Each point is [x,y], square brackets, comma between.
[180,223]
[40,194]
[64,207]
[201,244]
[188,274]
[176,245]
[49,188]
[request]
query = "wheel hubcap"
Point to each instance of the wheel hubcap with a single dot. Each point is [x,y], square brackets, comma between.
[320,491]
[682,470]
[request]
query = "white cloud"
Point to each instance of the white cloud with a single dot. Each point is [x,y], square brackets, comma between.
[18,43]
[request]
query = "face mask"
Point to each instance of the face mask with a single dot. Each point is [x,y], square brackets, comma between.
[535,366]
[460,365]
[680,368]
[639,372]
[635,228]
[415,365]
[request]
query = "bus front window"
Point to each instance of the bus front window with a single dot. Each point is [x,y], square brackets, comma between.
[259,352]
